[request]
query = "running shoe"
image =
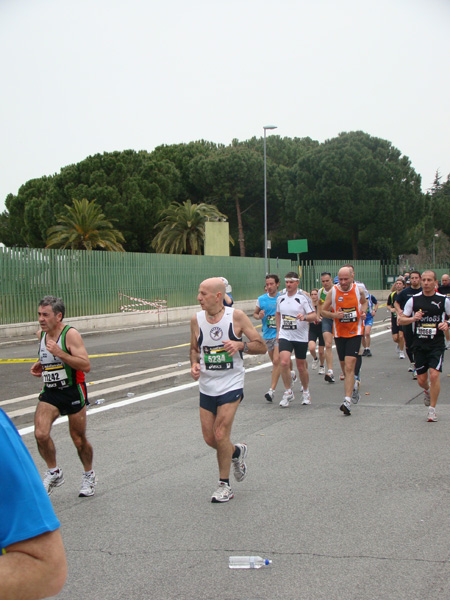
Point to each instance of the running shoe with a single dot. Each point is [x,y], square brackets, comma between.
[269,395]
[431,418]
[368,352]
[53,480]
[239,466]
[88,483]
[306,397]
[401,355]
[426,397]
[315,364]
[342,376]
[447,345]
[329,377]
[355,393]
[398,348]
[293,376]
[287,397]
[345,407]
[411,368]
[224,493]
[414,374]
[321,370]
[365,352]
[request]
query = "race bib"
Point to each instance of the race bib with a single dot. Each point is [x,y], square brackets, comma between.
[217,358]
[428,331]
[288,322]
[55,376]
[271,322]
[350,315]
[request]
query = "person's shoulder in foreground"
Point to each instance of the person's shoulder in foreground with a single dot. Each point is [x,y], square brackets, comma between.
[33,562]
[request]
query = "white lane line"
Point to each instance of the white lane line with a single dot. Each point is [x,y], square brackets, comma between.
[93,411]
[116,378]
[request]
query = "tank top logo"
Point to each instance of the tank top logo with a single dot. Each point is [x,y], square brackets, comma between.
[216,333]
[340,299]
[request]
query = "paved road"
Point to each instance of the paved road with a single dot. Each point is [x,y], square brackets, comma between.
[346,507]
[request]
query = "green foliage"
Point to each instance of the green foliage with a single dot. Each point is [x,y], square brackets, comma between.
[84,227]
[440,206]
[182,227]
[352,193]
[353,185]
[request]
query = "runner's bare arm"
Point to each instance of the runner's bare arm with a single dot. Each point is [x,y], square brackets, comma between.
[258,313]
[326,308]
[34,568]
[78,358]
[36,369]
[364,306]
[278,322]
[243,325]
[194,353]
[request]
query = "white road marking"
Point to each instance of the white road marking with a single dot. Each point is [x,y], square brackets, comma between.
[94,411]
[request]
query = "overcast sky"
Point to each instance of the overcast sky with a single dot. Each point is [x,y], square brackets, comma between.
[86,76]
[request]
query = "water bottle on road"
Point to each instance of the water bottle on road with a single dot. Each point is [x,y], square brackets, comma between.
[248,562]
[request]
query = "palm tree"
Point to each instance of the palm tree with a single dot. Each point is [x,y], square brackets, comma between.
[84,227]
[183,227]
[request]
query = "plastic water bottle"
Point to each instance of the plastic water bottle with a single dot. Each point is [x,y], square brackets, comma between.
[248,562]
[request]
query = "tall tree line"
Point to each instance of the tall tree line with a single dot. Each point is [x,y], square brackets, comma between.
[351,195]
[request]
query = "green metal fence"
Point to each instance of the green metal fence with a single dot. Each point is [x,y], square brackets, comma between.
[91,282]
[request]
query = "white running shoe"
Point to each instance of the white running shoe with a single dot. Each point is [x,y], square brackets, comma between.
[411,368]
[355,393]
[426,397]
[321,370]
[345,407]
[88,483]
[269,395]
[414,374]
[239,466]
[306,397]
[293,376]
[315,364]
[401,354]
[52,480]
[329,376]
[287,397]
[431,418]
[223,493]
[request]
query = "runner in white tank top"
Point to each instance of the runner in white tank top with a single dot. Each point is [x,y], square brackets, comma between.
[216,361]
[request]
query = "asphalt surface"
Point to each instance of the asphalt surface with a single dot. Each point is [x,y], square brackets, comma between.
[345,507]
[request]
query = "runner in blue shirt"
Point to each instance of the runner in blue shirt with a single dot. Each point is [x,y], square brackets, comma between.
[265,310]
[372,308]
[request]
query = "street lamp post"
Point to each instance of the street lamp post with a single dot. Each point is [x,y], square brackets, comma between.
[266,262]
[434,248]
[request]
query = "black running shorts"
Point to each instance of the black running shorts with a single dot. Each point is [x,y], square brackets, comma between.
[428,358]
[300,348]
[347,346]
[212,402]
[68,400]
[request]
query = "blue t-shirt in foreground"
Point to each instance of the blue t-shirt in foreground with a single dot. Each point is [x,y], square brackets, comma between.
[25,508]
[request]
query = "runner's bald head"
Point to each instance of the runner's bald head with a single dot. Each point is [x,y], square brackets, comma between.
[215,285]
[345,272]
